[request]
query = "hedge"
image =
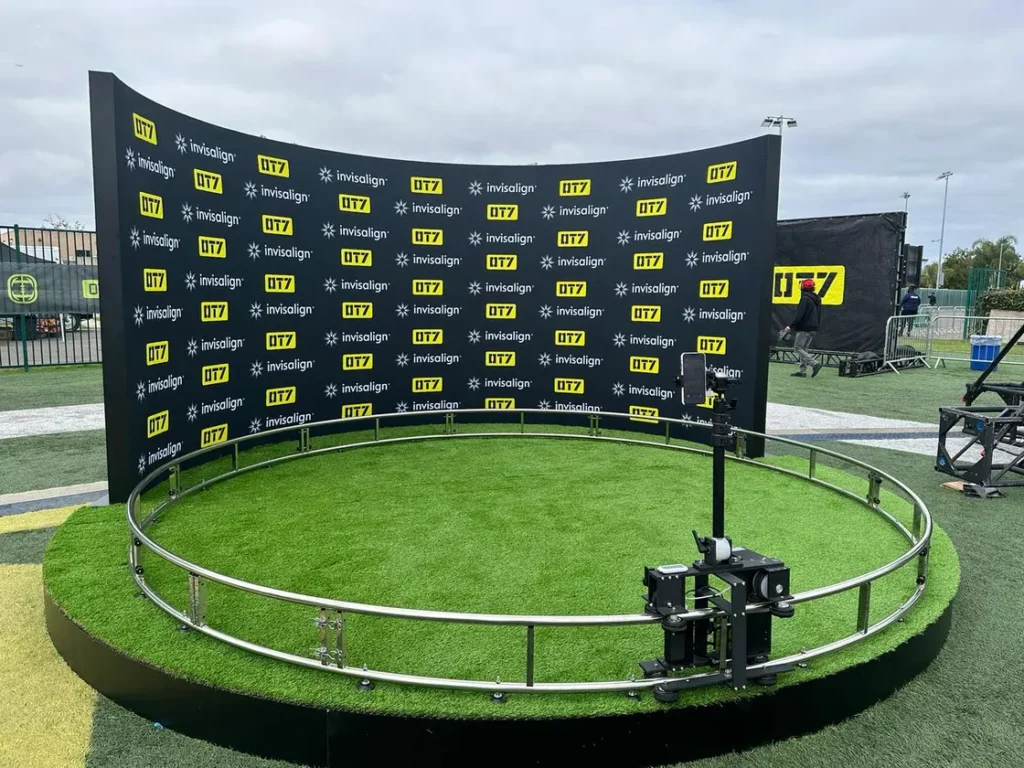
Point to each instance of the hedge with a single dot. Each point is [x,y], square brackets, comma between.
[1008,300]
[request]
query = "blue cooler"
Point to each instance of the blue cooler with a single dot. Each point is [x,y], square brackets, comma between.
[984,350]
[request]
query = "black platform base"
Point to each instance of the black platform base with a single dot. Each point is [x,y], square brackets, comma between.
[320,737]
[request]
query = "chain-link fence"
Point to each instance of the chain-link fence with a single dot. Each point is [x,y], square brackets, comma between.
[49,297]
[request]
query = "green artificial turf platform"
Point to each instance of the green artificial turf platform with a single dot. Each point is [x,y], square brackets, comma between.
[521,525]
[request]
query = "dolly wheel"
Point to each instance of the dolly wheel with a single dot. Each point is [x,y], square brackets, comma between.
[664,695]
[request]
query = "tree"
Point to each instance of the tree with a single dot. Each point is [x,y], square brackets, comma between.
[991,254]
[55,221]
[955,267]
[928,275]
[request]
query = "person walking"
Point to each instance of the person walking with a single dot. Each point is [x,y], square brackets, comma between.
[805,324]
[908,309]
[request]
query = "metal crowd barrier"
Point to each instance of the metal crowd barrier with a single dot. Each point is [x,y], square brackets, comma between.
[950,337]
[938,337]
[330,626]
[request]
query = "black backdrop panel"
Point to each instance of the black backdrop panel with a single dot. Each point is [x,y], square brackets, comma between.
[251,284]
[854,261]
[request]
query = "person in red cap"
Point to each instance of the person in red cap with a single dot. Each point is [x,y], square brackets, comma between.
[808,317]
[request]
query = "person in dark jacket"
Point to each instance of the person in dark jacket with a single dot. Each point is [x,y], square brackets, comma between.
[908,309]
[805,324]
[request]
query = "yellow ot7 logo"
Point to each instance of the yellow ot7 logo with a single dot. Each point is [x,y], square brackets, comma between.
[355,410]
[427,236]
[277,225]
[645,313]
[144,129]
[720,172]
[574,187]
[574,238]
[714,289]
[655,206]
[213,435]
[208,181]
[151,205]
[829,284]
[569,386]
[499,403]
[423,336]
[717,230]
[427,384]
[154,280]
[498,212]
[428,287]
[500,311]
[278,340]
[279,283]
[157,352]
[357,362]
[570,338]
[502,262]
[157,423]
[272,166]
[357,310]
[642,411]
[649,260]
[352,257]
[711,345]
[644,365]
[280,396]
[500,359]
[213,247]
[571,289]
[216,374]
[354,203]
[426,185]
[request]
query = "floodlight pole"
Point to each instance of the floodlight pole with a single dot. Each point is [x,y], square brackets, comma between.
[906,202]
[942,233]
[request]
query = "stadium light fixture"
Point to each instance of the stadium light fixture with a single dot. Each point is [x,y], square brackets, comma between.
[779,121]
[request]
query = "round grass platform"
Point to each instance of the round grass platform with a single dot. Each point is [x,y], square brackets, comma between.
[516,525]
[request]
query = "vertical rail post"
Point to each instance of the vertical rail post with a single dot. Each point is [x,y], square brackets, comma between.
[812,463]
[321,651]
[376,429]
[522,422]
[196,600]
[529,654]
[174,481]
[304,440]
[340,641]
[917,521]
[135,551]
[874,486]
[741,446]
[864,608]
[668,425]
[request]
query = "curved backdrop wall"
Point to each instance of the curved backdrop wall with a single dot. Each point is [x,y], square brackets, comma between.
[248,284]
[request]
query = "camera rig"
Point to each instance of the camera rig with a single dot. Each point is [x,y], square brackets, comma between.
[726,643]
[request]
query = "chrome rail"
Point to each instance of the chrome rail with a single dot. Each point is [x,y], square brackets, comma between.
[336,659]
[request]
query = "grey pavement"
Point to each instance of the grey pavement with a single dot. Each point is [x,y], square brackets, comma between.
[51,421]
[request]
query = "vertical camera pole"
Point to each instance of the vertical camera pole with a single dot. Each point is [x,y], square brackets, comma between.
[719,440]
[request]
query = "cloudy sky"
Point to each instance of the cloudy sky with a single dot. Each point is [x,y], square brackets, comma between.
[888,93]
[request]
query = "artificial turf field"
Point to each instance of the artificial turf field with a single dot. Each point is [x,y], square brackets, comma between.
[966,709]
[511,525]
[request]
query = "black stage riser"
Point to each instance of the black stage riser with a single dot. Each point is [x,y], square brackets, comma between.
[319,737]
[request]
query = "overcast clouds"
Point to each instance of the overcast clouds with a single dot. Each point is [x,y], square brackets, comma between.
[887,94]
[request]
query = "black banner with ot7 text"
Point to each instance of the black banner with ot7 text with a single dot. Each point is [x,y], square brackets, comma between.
[250,284]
